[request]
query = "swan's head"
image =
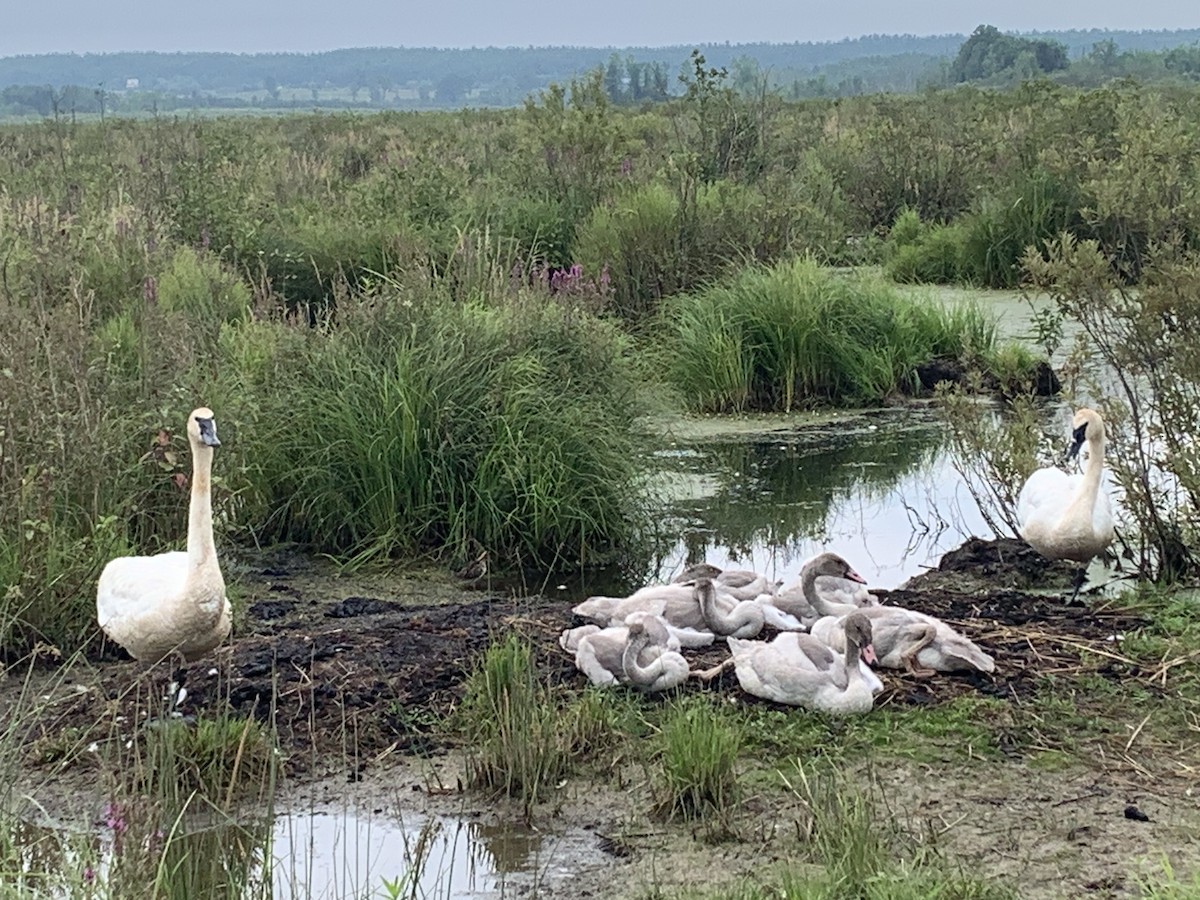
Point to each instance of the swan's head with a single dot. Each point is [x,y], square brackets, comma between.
[651,626]
[833,565]
[1086,426]
[858,636]
[704,591]
[697,570]
[202,428]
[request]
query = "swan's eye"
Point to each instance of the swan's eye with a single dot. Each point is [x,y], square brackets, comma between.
[1081,432]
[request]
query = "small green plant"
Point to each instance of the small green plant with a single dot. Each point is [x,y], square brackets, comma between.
[512,725]
[697,758]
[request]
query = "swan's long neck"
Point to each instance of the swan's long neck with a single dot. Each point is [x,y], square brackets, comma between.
[202,552]
[716,618]
[1089,489]
[635,672]
[808,587]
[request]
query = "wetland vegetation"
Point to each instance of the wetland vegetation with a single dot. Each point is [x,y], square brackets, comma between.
[428,334]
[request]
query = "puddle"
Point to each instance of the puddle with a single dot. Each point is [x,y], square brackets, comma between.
[345,855]
[325,855]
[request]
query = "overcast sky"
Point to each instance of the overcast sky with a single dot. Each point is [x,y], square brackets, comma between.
[40,26]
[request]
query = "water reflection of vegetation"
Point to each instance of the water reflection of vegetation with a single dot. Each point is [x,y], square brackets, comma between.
[181,861]
[778,490]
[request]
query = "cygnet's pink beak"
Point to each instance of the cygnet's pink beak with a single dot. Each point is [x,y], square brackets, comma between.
[854,576]
[868,654]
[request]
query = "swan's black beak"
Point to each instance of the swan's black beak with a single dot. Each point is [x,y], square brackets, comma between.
[208,432]
[1077,439]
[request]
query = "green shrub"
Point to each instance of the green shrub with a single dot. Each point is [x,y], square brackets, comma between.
[420,424]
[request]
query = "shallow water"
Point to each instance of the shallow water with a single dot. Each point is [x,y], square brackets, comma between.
[879,489]
[336,855]
[342,854]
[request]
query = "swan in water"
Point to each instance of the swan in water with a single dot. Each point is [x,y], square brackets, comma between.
[175,602]
[904,639]
[803,603]
[800,672]
[744,620]
[1069,516]
[666,668]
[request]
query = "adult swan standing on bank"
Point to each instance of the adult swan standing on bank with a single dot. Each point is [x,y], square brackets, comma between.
[1065,516]
[172,602]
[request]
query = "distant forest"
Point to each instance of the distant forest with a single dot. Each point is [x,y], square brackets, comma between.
[424,78]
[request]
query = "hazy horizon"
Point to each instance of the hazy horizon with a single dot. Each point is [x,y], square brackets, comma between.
[306,26]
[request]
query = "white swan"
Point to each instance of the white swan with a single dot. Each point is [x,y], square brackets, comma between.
[789,670]
[1069,516]
[599,652]
[905,639]
[154,606]
[665,668]
[803,602]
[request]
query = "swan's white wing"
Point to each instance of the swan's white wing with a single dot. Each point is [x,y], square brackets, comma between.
[764,671]
[842,591]
[690,637]
[132,586]
[569,639]
[599,655]
[598,609]
[776,617]
[1047,491]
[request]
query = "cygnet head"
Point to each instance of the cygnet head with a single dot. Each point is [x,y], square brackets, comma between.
[858,636]
[1087,426]
[696,571]
[833,565]
[648,624]
[202,428]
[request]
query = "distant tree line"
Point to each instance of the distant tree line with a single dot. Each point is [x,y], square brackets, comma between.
[136,83]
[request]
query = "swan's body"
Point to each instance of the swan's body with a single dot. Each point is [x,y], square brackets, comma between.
[172,602]
[789,670]
[676,604]
[1069,516]
[741,584]
[664,669]
[744,620]
[909,640]
[599,651]
[804,601]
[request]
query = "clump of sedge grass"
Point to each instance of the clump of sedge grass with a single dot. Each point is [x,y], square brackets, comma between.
[794,334]
[697,757]
[512,725]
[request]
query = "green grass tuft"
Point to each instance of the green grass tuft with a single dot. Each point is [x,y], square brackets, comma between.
[697,756]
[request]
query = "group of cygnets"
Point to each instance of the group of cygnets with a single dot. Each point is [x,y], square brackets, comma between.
[830,630]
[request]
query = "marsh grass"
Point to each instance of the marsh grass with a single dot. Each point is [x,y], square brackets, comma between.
[796,334]
[697,754]
[512,725]
[862,848]
[418,424]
